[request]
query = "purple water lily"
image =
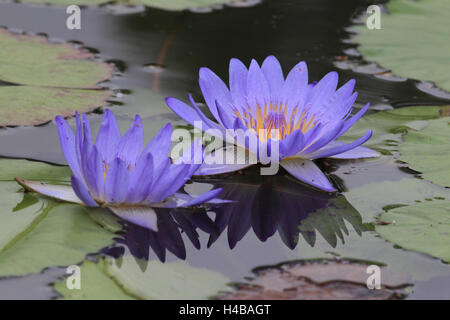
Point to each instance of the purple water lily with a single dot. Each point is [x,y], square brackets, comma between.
[307,118]
[117,172]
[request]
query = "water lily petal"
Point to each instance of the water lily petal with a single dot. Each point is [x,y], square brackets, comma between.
[238,84]
[356,153]
[214,89]
[348,123]
[258,92]
[130,145]
[168,183]
[334,149]
[82,193]
[214,164]
[116,182]
[203,197]
[274,76]
[292,144]
[108,136]
[59,192]
[141,180]
[142,216]
[67,141]
[326,137]
[322,91]
[306,171]
[293,93]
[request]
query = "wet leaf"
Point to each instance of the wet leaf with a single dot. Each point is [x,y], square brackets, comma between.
[50,79]
[316,279]
[412,41]
[388,126]
[95,285]
[59,234]
[171,280]
[428,151]
[423,227]
[371,198]
[33,170]
[174,5]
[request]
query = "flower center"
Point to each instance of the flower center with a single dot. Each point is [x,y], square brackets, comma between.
[275,122]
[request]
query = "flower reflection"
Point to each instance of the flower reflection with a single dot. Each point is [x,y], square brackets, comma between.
[267,204]
[171,224]
[262,203]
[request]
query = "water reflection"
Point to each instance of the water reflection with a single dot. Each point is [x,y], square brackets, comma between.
[264,204]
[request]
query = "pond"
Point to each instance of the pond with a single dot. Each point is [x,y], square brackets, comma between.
[274,220]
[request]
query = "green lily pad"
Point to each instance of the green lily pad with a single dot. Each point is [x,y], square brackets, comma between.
[173,5]
[47,234]
[388,126]
[95,285]
[413,40]
[373,198]
[17,213]
[33,170]
[428,151]
[423,227]
[49,79]
[171,280]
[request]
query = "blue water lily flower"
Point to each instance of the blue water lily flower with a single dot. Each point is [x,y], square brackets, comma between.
[307,117]
[117,172]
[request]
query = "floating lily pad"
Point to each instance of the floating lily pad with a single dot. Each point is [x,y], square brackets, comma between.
[49,79]
[413,40]
[423,227]
[371,198]
[173,5]
[428,151]
[95,285]
[55,234]
[315,279]
[388,126]
[33,170]
[171,280]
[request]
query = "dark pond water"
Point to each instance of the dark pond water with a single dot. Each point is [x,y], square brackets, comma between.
[159,51]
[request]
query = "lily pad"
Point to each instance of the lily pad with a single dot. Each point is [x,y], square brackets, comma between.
[428,151]
[33,170]
[95,285]
[47,79]
[412,41]
[172,5]
[59,234]
[171,280]
[373,198]
[388,126]
[423,227]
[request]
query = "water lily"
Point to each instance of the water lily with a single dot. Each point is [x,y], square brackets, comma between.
[117,172]
[307,117]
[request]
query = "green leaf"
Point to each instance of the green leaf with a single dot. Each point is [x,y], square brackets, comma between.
[370,199]
[60,234]
[95,285]
[388,126]
[33,170]
[34,61]
[14,220]
[170,280]
[428,151]
[52,79]
[173,5]
[413,40]
[423,227]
